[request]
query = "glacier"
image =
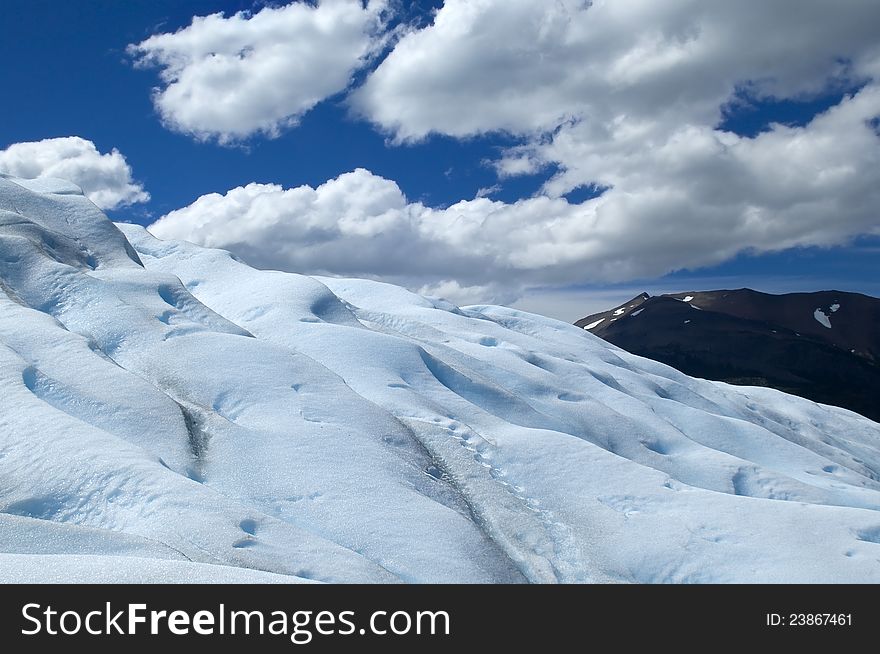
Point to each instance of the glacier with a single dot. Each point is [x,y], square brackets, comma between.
[170,414]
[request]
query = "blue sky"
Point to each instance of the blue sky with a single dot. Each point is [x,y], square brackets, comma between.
[67,72]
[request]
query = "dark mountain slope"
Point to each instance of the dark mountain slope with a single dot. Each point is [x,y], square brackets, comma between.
[746,337]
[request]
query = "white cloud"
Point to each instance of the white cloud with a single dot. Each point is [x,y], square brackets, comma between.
[487,191]
[361,224]
[711,195]
[625,95]
[106,179]
[527,67]
[231,77]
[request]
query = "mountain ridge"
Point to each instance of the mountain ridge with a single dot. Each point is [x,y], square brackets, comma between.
[822,345]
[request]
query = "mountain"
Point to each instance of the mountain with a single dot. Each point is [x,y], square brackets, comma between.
[171,414]
[824,346]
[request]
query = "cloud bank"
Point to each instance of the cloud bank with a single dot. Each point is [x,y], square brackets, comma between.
[629,96]
[712,194]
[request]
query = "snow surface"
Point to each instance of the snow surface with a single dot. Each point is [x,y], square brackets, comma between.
[688,298]
[619,312]
[171,414]
[595,323]
[822,318]
[636,312]
[834,307]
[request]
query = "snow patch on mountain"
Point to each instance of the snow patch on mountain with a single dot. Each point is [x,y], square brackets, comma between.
[822,318]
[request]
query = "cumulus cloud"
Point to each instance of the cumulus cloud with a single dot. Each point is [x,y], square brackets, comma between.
[105,178]
[230,77]
[362,224]
[716,194]
[626,96]
[528,67]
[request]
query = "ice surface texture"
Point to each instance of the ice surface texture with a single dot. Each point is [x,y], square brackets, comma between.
[171,414]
